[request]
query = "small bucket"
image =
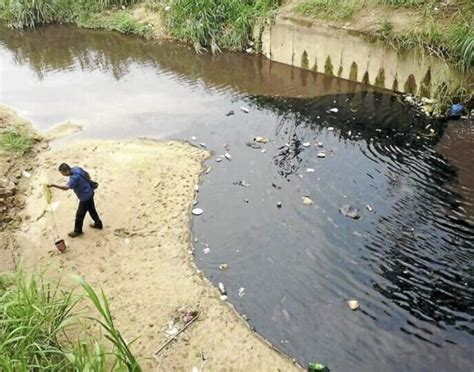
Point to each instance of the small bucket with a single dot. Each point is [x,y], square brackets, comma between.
[60,245]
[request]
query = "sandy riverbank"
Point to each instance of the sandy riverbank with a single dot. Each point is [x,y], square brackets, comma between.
[142,257]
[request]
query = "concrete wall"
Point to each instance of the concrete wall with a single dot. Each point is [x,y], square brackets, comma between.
[351,55]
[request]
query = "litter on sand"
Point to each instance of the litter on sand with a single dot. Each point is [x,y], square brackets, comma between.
[307,200]
[26,174]
[222,288]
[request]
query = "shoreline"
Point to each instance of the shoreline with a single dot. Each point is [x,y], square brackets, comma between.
[144,263]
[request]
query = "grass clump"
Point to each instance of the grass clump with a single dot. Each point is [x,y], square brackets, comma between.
[15,141]
[120,21]
[31,13]
[214,23]
[328,9]
[35,318]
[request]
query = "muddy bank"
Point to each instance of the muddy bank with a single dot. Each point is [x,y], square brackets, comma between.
[142,259]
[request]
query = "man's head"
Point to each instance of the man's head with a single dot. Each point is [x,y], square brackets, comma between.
[65,169]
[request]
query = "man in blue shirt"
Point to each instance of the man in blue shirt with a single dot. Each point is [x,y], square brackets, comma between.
[80,183]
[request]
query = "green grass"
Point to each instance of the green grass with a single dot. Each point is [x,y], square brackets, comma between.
[31,13]
[35,319]
[216,24]
[328,9]
[120,21]
[15,141]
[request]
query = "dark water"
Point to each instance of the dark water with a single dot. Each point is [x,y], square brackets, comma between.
[409,262]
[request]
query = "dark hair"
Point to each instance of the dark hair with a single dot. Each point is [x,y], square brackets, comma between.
[64,167]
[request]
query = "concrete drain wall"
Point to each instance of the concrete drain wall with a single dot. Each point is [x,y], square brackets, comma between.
[350,55]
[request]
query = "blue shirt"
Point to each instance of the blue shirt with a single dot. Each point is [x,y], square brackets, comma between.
[79,183]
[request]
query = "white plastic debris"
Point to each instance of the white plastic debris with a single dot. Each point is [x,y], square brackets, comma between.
[194,138]
[335,110]
[369,208]
[307,200]
[310,170]
[206,250]
[223,298]
[306,144]
[203,145]
[26,174]
[260,139]
[321,155]
[320,144]
[241,292]
[54,206]
[245,109]
[208,170]
[197,211]
[223,267]
[353,304]
[263,151]
[330,129]
[219,159]
[222,288]
[228,156]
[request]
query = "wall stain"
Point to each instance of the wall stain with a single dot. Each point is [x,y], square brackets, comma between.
[315,66]
[365,78]
[410,85]
[304,60]
[425,86]
[328,67]
[353,72]
[380,78]
[339,72]
[395,84]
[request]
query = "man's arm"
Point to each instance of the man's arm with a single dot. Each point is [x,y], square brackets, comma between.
[60,187]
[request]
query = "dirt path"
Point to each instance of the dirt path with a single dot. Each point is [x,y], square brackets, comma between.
[142,258]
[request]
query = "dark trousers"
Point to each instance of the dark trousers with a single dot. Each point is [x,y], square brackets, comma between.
[84,207]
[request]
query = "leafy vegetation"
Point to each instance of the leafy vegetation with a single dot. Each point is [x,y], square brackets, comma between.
[35,316]
[214,23]
[328,9]
[15,141]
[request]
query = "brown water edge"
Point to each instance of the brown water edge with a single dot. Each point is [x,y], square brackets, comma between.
[457,145]
[104,50]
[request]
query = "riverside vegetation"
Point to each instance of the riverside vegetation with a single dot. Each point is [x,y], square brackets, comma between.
[37,319]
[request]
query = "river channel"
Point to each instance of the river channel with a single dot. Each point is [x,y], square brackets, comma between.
[408,260]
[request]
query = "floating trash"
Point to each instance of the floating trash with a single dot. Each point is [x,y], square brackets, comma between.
[222,288]
[197,211]
[330,129]
[223,267]
[353,304]
[231,112]
[320,144]
[369,208]
[261,139]
[245,109]
[241,292]
[194,138]
[219,159]
[241,183]
[206,250]
[335,110]
[306,144]
[279,204]
[307,200]
[203,145]
[310,170]
[228,156]
[263,151]
[253,145]
[321,155]
[208,170]
[246,200]
[349,211]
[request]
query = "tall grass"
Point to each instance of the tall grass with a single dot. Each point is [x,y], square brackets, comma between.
[35,318]
[216,24]
[30,13]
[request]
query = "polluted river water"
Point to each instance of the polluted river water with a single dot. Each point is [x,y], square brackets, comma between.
[291,266]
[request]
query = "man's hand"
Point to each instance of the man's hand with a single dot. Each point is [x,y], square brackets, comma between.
[60,187]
